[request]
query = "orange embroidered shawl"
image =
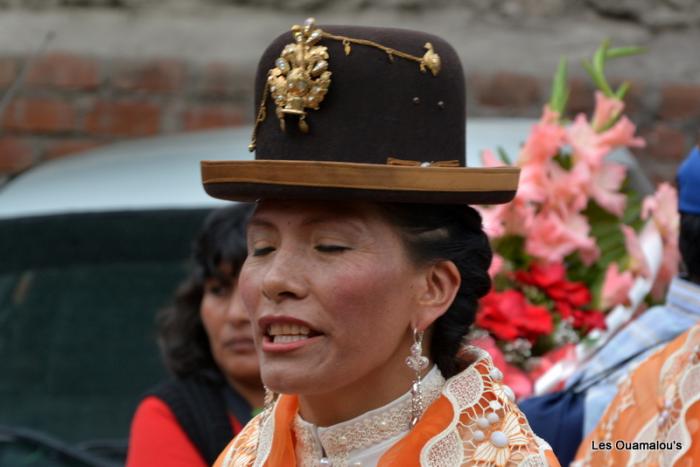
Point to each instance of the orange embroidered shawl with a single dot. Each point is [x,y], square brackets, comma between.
[453,431]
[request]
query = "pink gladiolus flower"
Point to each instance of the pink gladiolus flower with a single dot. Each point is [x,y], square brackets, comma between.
[551,239]
[606,109]
[586,143]
[492,219]
[489,159]
[605,188]
[662,207]
[544,141]
[496,265]
[669,269]
[622,134]
[533,183]
[638,263]
[616,287]
[568,189]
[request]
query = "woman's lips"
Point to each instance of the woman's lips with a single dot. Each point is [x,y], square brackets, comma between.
[241,345]
[285,333]
[281,346]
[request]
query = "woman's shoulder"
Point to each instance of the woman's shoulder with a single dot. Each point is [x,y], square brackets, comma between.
[656,405]
[489,425]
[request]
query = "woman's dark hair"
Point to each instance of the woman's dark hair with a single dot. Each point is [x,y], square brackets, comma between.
[689,244]
[183,342]
[447,232]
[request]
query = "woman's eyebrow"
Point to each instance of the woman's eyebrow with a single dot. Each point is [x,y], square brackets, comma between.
[257,222]
[357,226]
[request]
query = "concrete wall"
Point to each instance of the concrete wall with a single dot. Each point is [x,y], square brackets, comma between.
[117,69]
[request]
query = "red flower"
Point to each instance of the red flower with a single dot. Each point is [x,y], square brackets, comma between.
[551,279]
[574,293]
[543,276]
[587,320]
[495,314]
[508,315]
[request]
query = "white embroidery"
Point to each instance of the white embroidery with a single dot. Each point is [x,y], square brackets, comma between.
[486,421]
[445,452]
[467,389]
[267,431]
[364,431]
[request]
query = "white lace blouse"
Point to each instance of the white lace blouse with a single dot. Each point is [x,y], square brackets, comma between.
[361,441]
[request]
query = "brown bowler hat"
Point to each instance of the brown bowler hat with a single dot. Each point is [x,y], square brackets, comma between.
[359,113]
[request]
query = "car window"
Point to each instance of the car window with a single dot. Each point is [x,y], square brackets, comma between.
[78,295]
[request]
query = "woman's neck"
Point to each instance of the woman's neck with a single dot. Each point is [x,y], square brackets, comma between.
[346,403]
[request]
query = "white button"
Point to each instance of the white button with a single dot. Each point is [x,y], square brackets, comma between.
[499,439]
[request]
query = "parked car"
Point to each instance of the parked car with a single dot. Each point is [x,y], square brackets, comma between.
[91,246]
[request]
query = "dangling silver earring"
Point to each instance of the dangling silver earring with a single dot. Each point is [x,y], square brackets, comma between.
[417,362]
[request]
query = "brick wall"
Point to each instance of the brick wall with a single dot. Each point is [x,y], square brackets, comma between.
[69,103]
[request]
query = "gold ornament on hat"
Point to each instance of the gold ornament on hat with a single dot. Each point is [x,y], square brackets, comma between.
[300,77]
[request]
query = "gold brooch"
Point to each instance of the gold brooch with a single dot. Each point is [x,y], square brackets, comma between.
[300,78]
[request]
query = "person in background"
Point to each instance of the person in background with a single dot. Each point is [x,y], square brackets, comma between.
[206,343]
[591,391]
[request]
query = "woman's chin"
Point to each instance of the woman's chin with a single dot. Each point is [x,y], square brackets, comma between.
[286,379]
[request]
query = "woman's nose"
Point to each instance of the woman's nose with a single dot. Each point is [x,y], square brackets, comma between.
[283,278]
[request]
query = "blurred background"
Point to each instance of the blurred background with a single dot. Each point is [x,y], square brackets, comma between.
[121,69]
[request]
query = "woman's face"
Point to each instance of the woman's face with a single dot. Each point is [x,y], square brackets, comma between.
[330,290]
[229,329]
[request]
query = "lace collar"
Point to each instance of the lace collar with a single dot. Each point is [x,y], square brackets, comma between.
[365,431]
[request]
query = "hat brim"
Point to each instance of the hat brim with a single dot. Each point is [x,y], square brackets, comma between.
[260,179]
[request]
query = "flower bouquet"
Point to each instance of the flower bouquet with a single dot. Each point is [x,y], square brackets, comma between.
[578,252]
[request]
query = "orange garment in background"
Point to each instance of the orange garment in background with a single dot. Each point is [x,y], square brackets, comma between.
[437,437]
[658,403]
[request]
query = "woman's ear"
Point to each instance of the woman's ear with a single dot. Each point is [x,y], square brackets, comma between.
[439,286]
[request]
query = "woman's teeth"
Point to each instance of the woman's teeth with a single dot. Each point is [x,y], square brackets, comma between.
[287,339]
[282,333]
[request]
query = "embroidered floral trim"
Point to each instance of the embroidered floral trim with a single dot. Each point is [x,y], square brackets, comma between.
[491,429]
[488,429]
[266,433]
[364,431]
[675,396]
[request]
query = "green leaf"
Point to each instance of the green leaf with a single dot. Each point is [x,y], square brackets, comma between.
[560,90]
[622,90]
[599,68]
[513,248]
[504,155]
[619,52]
[598,80]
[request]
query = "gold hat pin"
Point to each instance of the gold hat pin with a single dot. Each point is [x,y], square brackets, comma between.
[300,78]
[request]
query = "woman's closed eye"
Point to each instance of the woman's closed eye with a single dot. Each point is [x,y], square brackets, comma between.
[262,251]
[330,248]
[217,289]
